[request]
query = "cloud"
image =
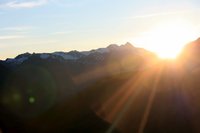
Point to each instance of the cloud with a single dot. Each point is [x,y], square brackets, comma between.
[19,28]
[158,14]
[16,4]
[11,37]
[76,31]
[62,32]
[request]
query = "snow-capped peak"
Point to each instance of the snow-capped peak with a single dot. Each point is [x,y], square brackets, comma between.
[72,55]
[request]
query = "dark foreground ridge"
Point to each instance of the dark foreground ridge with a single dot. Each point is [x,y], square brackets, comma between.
[120,89]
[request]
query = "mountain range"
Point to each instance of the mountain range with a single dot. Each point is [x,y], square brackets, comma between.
[108,89]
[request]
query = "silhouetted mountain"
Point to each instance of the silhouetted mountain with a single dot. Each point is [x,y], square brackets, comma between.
[48,92]
[114,89]
[99,62]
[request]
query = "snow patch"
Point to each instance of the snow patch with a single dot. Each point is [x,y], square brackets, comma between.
[100,50]
[44,56]
[65,56]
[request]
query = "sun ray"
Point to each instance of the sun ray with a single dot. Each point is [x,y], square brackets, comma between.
[120,102]
[150,101]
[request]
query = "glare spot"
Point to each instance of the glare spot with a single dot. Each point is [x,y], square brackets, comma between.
[31,100]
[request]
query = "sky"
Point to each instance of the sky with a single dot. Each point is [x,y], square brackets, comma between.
[64,25]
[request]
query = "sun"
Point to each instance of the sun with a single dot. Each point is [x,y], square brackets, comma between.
[168,38]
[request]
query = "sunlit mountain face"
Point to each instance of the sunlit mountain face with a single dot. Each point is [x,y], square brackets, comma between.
[120,89]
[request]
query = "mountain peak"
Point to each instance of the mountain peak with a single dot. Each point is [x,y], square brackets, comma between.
[128,44]
[23,55]
[74,54]
[112,46]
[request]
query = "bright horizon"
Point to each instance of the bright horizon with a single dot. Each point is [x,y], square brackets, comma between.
[163,27]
